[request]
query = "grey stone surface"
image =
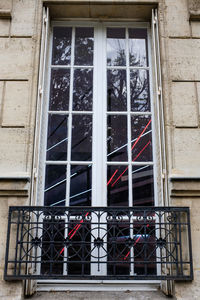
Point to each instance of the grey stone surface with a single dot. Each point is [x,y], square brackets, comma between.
[99,296]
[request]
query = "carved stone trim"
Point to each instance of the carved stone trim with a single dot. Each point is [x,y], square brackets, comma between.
[5,14]
[184,186]
[14,186]
[194,10]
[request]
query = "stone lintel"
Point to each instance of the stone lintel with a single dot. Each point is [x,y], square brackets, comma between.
[184,186]
[102,9]
[14,186]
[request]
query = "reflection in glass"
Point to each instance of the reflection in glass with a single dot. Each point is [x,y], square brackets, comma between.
[116,90]
[116,47]
[79,249]
[80,186]
[117,138]
[141,144]
[52,243]
[118,248]
[61,45]
[84,46]
[117,185]
[83,89]
[57,137]
[145,248]
[143,188]
[81,138]
[55,185]
[59,91]
[139,90]
[137,47]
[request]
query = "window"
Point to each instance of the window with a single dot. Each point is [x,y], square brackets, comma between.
[99,142]
[99,132]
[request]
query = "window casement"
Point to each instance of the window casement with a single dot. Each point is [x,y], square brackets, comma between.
[100,180]
[99,143]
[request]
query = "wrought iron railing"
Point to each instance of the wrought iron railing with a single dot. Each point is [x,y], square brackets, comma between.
[98,243]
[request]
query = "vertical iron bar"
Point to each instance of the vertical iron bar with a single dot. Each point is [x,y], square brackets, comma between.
[180,243]
[16,244]
[8,243]
[190,243]
[21,241]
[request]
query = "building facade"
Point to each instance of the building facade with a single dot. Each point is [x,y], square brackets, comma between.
[100,142]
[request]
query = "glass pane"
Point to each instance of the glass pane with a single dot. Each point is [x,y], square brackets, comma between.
[59,91]
[117,185]
[141,143]
[55,185]
[139,90]
[138,47]
[79,248]
[57,137]
[117,138]
[84,46]
[118,250]
[143,188]
[80,186]
[116,90]
[81,138]
[116,45]
[145,248]
[61,45]
[83,89]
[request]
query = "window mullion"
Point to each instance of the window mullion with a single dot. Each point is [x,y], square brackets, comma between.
[70,119]
[129,122]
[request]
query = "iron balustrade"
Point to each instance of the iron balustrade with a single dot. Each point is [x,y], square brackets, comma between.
[98,243]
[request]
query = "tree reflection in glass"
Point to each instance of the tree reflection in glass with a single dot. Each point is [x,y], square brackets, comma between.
[84,46]
[61,45]
[138,47]
[83,89]
[59,92]
[139,90]
[116,90]
[116,47]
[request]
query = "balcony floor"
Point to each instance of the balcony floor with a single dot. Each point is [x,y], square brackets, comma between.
[127,295]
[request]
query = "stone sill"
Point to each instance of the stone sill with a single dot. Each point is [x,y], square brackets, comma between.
[14,185]
[184,186]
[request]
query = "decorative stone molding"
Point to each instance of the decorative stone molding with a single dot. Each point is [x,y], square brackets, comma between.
[14,186]
[184,186]
[194,10]
[5,14]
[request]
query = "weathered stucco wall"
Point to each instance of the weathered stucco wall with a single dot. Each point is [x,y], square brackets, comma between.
[20,32]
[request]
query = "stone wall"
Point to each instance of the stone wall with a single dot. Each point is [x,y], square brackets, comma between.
[20,25]
[20,33]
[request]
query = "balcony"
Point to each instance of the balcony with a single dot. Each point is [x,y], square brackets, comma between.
[114,243]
